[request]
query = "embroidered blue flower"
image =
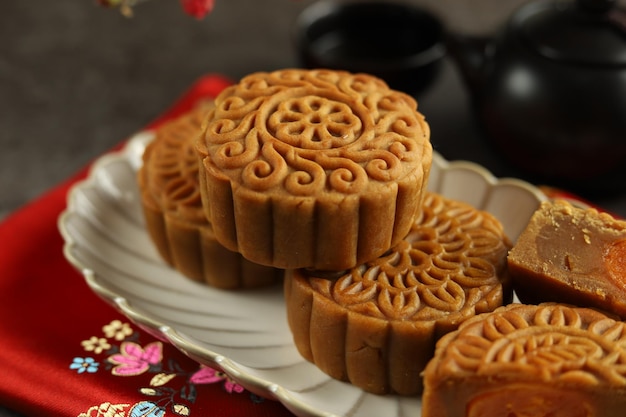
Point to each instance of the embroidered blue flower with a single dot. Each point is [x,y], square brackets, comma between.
[146,409]
[84,364]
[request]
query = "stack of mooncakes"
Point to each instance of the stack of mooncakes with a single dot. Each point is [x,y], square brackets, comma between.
[323,174]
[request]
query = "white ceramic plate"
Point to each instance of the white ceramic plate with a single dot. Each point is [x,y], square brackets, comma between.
[245,334]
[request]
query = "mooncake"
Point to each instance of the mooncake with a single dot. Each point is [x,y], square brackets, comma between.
[175,220]
[376,325]
[313,168]
[573,255]
[528,361]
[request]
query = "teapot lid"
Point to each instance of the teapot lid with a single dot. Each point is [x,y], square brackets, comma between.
[589,32]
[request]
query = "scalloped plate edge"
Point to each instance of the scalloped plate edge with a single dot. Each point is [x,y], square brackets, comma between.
[165,332]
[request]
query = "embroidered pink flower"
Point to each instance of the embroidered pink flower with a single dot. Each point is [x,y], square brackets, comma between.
[135,360]
[231,386]
[206,375]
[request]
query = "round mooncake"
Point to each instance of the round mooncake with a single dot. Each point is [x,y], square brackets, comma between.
[530,360]
[175,219]
[376,325]
[313,168]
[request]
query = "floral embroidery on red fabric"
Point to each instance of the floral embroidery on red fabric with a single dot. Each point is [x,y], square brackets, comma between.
[84,365]
[117,330]
[96,345]
[106,409]
[206,375]
[135,360]
[125,356]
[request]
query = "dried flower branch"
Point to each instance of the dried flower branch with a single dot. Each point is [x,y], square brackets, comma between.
[196,8]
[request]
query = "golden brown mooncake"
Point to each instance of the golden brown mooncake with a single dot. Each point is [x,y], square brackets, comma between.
[572,255]
[376,325]
[528,360]
[175,219]
[313,168]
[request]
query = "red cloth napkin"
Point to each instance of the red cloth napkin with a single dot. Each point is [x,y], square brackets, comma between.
[65,352]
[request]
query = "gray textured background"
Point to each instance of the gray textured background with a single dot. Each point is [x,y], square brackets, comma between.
[76,79]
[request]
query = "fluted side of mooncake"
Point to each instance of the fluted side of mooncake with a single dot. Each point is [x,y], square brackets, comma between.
[175,219]
[528,360]
[376,325]
[313,168]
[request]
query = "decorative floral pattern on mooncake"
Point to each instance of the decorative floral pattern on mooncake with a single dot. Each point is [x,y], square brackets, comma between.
[550,342]
[313,168]
[530,360]
[376,325]
[175,219]
[306,131]
[173,167]
[451,263]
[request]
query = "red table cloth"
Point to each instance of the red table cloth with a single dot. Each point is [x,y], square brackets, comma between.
[65,352]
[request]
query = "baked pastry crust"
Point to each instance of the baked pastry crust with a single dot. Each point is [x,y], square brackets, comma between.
[175,220]
[376,325]
[313,168]
[572,255]
[528,360]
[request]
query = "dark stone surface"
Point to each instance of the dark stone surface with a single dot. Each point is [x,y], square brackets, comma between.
[75,79]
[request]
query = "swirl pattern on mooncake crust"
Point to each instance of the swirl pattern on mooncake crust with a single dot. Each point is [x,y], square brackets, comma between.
[376,325]
[172,164]
[313,168]
[307,131]
[175,219]
[549,343]
[530,360]
[451,263]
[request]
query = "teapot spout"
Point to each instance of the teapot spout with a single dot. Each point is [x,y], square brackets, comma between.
[469,53]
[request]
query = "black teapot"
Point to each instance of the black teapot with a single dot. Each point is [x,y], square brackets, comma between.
[549,92]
